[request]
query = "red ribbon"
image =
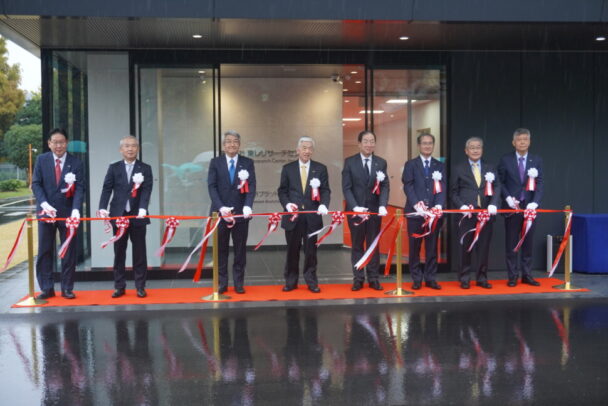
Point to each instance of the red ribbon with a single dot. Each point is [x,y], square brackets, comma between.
[562,246]
[134,190]
[11,254]
[529,217]
[482,219]
[122,223]
[69,191]
[489,189]
[210,228]
[171,225]
[437,186]
[273,222]
[337,218]
[391,250]
[531,184]
[71,224]
[316,197]
[376,189]
[244,186]
[430,223]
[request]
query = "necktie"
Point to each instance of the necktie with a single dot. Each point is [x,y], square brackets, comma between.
[232,170]
[129,171]
[57,171]
[477,176]
[426,168]
[366,166]
[522,176]
[303,177]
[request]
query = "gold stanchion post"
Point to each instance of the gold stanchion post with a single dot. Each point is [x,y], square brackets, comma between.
[215,296]
[567,261]
[399,291]
[31,300]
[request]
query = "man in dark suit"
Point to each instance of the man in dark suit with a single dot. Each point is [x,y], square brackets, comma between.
[296,193]
[513,174]
[228,199]
[54,198]
[418,185]
[467,189]
[359,177]
[120,183]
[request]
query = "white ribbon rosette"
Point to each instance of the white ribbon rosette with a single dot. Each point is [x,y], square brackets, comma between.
[437,177]
[244,182]
[315,183]
[489,176]
[138,179]
[69,179]
[380,176]
[532,175]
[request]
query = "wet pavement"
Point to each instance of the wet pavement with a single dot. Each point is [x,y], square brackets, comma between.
[501,353]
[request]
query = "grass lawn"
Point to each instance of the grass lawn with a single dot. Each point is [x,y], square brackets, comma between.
[21,192]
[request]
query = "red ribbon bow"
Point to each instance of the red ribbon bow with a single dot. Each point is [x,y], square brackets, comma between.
[71,224]
[122,223]
[171,225]
[273,223]
[482,218]
[529,217]
[337,218]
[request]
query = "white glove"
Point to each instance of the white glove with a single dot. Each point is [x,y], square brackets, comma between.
[75,213]
[382,211]
[141,213]
[104,213]
[464,207]
[359,209]
[291,207]
[322,210]
[247,212]
[225,211]
[512,202]
[532,206]
[420,207]
[438,207]
[492,210]
[48,209]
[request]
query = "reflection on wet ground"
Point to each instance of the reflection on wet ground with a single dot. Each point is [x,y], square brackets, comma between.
[531,352]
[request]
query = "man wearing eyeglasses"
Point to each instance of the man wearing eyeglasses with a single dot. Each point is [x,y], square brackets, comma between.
[58,186]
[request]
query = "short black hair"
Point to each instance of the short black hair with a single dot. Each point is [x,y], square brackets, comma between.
[419,138]
[58,131]
[363,133]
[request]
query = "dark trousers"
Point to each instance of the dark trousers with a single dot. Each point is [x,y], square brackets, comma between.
[47,249]
[475,261]
[296,238]
[239,243]
[429,271]
[361,237]
[137,234]
[520,261]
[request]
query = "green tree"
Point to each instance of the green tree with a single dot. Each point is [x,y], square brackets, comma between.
[11,97]
[16,142]
[31,112]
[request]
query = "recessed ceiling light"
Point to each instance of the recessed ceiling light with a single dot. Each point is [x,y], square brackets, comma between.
[354,72]
[374,111]
[398,101]
[345,90]
[197,36]
[357,81]
[600,38]
[346,101]
[404,38]
[201,71]
[351,119]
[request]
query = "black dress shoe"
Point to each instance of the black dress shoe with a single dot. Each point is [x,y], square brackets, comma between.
[118,293]
[222,290]
[239,289]
[46,294]
[530,281]
[375,285]
[465,285]
[357,285]
[68,294]
[141,292]
[416,285]
[288,288]
[314,289]
[433,285]
[485,285]
[512,283]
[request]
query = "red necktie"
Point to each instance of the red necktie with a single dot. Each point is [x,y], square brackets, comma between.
[57,170]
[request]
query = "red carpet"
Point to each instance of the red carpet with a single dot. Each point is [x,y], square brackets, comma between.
[274,293]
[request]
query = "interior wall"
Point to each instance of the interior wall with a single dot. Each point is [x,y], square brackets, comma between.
[392,145]
[271,114]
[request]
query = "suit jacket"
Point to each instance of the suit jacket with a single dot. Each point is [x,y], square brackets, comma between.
[508,172]
[464,189]
[223,192]
[357,186]
[119,188]
[418,187]
[45,187]
[290,191]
